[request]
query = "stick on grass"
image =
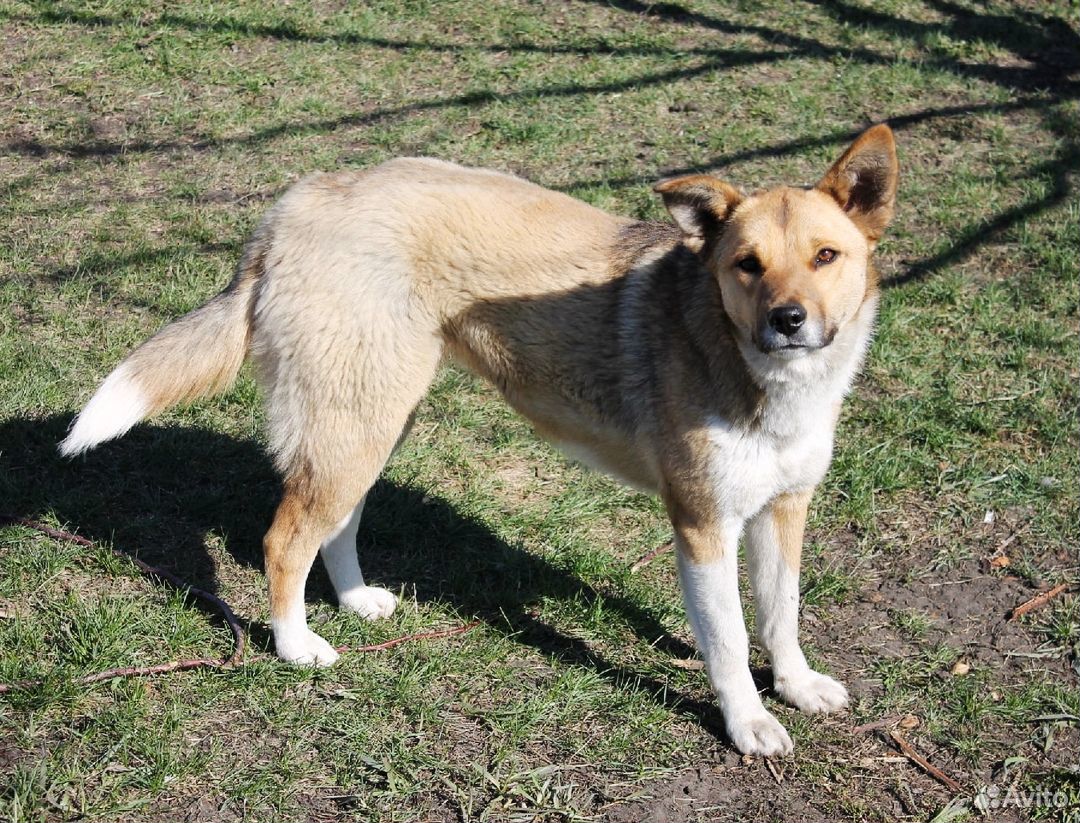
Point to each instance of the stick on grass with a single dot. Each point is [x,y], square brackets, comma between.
[1041,599]
[924,764]
[239,635]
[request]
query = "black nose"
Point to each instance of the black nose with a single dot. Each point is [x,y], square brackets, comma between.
[788,318]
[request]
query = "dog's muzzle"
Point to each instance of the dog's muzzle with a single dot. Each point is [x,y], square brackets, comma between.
[786,331]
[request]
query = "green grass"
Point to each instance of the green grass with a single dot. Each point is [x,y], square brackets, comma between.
[141,144]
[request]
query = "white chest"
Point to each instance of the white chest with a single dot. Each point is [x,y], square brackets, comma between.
[750,467]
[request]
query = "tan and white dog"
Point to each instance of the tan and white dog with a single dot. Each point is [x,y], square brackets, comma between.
[705,361]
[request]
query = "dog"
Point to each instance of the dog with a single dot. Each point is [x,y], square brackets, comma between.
[703,359]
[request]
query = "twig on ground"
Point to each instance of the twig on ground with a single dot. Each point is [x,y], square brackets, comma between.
[1041,599]
[239,635]
[691,665]
[924,764]
[649,557]
[397,641]
[126,671]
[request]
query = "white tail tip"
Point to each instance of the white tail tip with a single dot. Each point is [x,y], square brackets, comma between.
[116,406]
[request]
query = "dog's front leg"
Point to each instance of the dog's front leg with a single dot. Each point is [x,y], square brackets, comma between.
[773,551]
[708,571]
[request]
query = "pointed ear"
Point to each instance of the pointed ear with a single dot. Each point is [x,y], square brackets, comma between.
[698,203]
[863,181]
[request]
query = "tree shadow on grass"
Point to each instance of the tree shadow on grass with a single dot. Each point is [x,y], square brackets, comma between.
[378,115]
[1044,62]
[1044,59]
[160,491]
[291,31]
[1047,43]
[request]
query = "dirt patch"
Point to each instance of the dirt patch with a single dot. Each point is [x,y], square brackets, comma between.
[716,793]
[844,772]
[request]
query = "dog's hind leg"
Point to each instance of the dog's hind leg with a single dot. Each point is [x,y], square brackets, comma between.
[339,555]
[318,511]
[334,437]
[308,511]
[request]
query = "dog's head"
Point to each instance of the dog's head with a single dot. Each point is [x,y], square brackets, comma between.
[793,264]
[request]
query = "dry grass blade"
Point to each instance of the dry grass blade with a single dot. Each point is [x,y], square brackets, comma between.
[397,641]
[649,557]
[777,773]
[876,724]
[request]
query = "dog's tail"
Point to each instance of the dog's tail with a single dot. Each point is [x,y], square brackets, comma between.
[196,355]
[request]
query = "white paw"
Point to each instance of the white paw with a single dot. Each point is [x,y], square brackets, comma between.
[759,734]
[813,693]
[370,602]
[303,647]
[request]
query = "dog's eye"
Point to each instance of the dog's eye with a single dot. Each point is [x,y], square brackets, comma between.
[750,265]
[824,257]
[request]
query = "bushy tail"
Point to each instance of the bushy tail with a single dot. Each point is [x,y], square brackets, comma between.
[197,355]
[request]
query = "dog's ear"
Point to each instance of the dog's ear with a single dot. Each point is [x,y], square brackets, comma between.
[698,203]
[863,181]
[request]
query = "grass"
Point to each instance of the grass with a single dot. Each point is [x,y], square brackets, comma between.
[143,142]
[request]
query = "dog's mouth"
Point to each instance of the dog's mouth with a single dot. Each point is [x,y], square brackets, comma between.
[789,347]
[789,351]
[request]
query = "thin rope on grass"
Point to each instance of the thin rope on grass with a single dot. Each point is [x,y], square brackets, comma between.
[238,633]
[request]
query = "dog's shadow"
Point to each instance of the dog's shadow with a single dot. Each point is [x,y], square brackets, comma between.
[160,491]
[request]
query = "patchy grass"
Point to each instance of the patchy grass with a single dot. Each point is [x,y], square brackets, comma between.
[143,141]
